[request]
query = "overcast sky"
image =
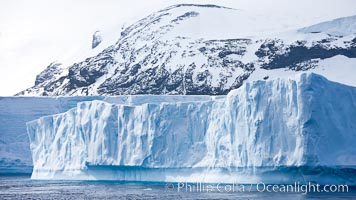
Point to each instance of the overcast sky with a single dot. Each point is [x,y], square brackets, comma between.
[34,33]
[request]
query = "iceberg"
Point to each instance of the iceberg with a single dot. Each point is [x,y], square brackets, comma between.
[15,154]
[277,131]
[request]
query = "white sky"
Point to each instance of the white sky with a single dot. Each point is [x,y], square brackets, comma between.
[34,33]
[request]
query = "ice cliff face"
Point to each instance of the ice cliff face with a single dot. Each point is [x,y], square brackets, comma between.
[15,155]
[186,49]
[263,125]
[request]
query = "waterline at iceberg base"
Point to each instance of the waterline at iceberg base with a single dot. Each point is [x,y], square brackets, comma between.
[278,131]
[267,175]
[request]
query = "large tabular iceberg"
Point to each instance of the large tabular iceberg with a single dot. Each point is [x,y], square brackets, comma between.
[15,154]
[283,130]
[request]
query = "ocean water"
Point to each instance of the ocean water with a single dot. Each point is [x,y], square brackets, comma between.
[22,187]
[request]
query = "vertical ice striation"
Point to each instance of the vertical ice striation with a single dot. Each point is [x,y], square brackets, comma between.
[99,133]
[259,126]
[263,125]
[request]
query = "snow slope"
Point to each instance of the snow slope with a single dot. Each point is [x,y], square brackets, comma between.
[279,131]
[15,155]
[339,27]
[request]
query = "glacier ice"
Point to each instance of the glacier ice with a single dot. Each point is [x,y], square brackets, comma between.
[15,154]
[282,130]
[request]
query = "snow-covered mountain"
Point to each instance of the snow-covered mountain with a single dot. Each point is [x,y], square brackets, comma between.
[276,131]
[204,49]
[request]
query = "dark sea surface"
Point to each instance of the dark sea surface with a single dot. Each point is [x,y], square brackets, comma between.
[22,187]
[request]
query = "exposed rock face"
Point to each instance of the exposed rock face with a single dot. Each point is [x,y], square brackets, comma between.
[96,39]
